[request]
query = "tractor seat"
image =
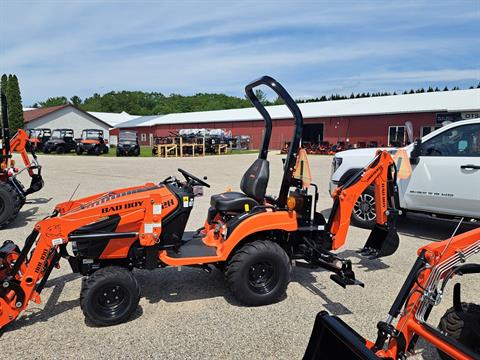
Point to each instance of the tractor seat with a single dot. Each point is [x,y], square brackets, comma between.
[254,186]
[232,202]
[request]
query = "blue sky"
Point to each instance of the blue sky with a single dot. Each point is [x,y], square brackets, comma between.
[312,47]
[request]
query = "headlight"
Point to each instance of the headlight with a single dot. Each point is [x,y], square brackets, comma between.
[337,161]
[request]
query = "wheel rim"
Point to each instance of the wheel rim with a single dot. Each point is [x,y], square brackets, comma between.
[262,277]
[365,207]
[111,300]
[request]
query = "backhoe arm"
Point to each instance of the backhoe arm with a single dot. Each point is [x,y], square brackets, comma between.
[19,143]
[381,173]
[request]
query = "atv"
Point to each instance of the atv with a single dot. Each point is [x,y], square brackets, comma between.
[62,141]
[12,192]
[128,144]
[251,236]
[38,138]
[92,142]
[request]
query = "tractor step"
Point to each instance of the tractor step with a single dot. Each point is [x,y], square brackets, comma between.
[192,247]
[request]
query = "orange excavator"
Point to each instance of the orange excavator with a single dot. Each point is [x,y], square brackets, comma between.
[251,236]
[12,192]
[456,337]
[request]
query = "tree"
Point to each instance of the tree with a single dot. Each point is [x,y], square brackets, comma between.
[75,100]
[3,84]
[278,101]
[261,96]
[54,101]
[14,100]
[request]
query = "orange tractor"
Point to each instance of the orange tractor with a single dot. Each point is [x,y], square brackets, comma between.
[456,337]
[12,192]
[251,236]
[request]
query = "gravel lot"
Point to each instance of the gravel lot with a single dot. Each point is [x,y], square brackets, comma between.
[188,313]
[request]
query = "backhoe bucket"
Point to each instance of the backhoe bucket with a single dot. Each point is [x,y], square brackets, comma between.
[36,184]
[382,241]
[333,339]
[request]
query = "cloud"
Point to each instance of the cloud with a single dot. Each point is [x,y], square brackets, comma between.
[78,48]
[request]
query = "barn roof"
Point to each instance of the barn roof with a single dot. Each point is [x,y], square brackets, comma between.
[444,101]
[30,115]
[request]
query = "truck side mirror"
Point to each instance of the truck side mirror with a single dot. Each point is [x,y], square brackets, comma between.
[416,151]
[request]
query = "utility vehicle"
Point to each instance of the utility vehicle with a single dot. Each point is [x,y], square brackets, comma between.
[92,142]
[12,192]
[439,174]
[38,138]
[252,236]
[128,144]
[458,333]
[62,141]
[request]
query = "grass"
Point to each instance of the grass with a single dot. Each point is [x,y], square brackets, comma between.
[146,151]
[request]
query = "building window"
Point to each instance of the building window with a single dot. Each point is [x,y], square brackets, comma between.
[143,137]
[397,136]
[428,129]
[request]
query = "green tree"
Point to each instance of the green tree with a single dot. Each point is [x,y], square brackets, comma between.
[75,100]
[53,101]
[4,83]
[14,100]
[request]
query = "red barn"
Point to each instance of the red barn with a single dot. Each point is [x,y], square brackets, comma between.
[380,120]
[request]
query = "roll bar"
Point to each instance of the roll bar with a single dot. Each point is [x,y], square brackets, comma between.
[289,166]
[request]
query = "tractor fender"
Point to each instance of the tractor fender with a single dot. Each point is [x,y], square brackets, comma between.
[264,221]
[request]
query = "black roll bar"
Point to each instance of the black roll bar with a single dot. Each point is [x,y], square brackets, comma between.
[289,166]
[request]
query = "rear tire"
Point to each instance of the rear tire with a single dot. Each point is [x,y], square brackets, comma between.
[10,204]
[463,327]
[60,150]
[110,296]
[79,151]
[258,273]
[363,214]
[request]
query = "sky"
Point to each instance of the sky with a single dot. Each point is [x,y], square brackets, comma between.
[314,48]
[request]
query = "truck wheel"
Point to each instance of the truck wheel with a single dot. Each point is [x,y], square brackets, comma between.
[363,214]
[110,296]
[258,273]
[60,150]
[462,326]
[10,204]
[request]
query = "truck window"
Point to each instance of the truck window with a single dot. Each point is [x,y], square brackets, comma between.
[459,141]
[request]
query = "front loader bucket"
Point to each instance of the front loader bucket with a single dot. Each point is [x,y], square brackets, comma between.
[333,339]
[382,241]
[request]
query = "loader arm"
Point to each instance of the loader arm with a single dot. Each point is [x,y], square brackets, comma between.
[23,274]
[19,143]
[381,173]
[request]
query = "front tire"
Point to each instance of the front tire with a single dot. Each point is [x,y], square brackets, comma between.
[363,214]
[79,151]
[10,204]
[110,296]
[462,326]
[60,150]
[258,273]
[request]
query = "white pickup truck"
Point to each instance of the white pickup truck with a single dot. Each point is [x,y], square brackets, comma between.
[443,174]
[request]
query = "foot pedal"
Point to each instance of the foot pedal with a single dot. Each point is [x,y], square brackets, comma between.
[344,281]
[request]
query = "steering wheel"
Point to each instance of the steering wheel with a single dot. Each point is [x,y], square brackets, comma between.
[189,177]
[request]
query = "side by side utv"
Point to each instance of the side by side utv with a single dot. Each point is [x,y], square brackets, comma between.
[38,138]
[253,237]
[92,142]
[12,192]
[62,141]
[128,144]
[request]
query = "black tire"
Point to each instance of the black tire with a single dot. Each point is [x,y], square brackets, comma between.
[60,149]
[109,296]
[10,204]
[136,152]
[363,214]
[258,273]
[462,326]
[46,150]
[96,150]
[118,153]
[105,149]
[79,151]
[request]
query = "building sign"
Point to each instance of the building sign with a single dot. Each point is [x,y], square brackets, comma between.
[471,115]
[453,116]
